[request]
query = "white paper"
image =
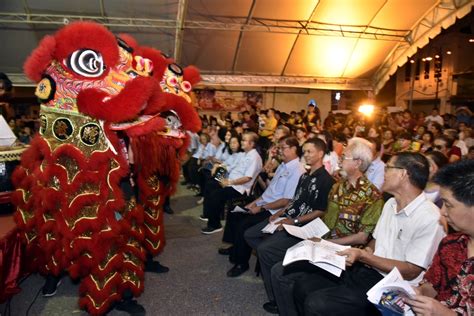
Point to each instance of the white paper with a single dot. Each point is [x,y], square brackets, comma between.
[7,138]
[315,228]
[239,209]
[272,226]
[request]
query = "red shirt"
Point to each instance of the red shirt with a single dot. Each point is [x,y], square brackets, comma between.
[452,273]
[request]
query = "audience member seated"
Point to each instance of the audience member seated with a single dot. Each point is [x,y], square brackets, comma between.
[331,159]
[247,122]
[388,142]
[447,287]
[195,161]
[309,202]
[276,197]
[354,208]
[444,145]
[376,171]
[437,160]
[220,170]
[406,236]
[239,182]
[267,128]
[272,158]
[403,143]
[426,142]
[301,135]
[434,117]
[221,140]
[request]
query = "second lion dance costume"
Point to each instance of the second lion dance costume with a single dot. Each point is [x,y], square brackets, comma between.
[97,90]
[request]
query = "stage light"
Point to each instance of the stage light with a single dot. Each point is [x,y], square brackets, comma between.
[366,109]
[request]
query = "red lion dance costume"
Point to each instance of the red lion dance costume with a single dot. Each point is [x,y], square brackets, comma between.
[96,89]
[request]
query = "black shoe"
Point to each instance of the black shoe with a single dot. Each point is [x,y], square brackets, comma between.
[225,251]
[210,230]
[131,307]
[51,285]
[237,270]
[271,307]
[168,210]
[155,267]
[203,218]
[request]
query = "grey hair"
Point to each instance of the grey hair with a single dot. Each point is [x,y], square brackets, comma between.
[361,149]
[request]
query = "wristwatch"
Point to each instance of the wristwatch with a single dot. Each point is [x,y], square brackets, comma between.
[296,221]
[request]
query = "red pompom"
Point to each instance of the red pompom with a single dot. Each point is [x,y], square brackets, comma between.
[40,58]
[192,75]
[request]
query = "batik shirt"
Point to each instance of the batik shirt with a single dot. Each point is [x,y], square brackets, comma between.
[452,274]
[353,209]
[311,193]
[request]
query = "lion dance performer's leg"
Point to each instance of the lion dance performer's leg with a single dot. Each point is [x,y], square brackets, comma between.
[157,164]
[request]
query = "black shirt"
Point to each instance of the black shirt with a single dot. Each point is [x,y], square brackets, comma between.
[311,193]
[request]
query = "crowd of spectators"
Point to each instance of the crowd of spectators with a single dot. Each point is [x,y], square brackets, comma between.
[381,184]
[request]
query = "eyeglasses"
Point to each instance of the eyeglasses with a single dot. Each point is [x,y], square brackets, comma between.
[284,147]
[392,167]
[439,147]
[343,157]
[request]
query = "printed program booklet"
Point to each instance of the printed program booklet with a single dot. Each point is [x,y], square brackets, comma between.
[389,293]
[321,253]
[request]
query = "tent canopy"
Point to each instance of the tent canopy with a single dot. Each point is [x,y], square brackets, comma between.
[328,44]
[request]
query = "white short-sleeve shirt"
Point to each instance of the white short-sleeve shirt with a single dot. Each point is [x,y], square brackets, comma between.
[249,164]
[283,184]
[411,234]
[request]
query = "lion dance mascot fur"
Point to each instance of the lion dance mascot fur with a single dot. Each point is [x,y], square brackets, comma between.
[96,90]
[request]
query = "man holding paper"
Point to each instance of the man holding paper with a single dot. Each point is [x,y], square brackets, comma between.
[308,203]
[406,237]
[277,196]
[354,207]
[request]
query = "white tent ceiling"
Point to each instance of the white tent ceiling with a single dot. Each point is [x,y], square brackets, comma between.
[328,44]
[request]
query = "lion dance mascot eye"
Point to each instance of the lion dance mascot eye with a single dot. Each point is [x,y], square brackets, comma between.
[95,91]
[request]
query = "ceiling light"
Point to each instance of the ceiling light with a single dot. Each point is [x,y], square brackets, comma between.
[429,58]
[448,52]
[471,40]
[412,61]
[366,109]
[436,56]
